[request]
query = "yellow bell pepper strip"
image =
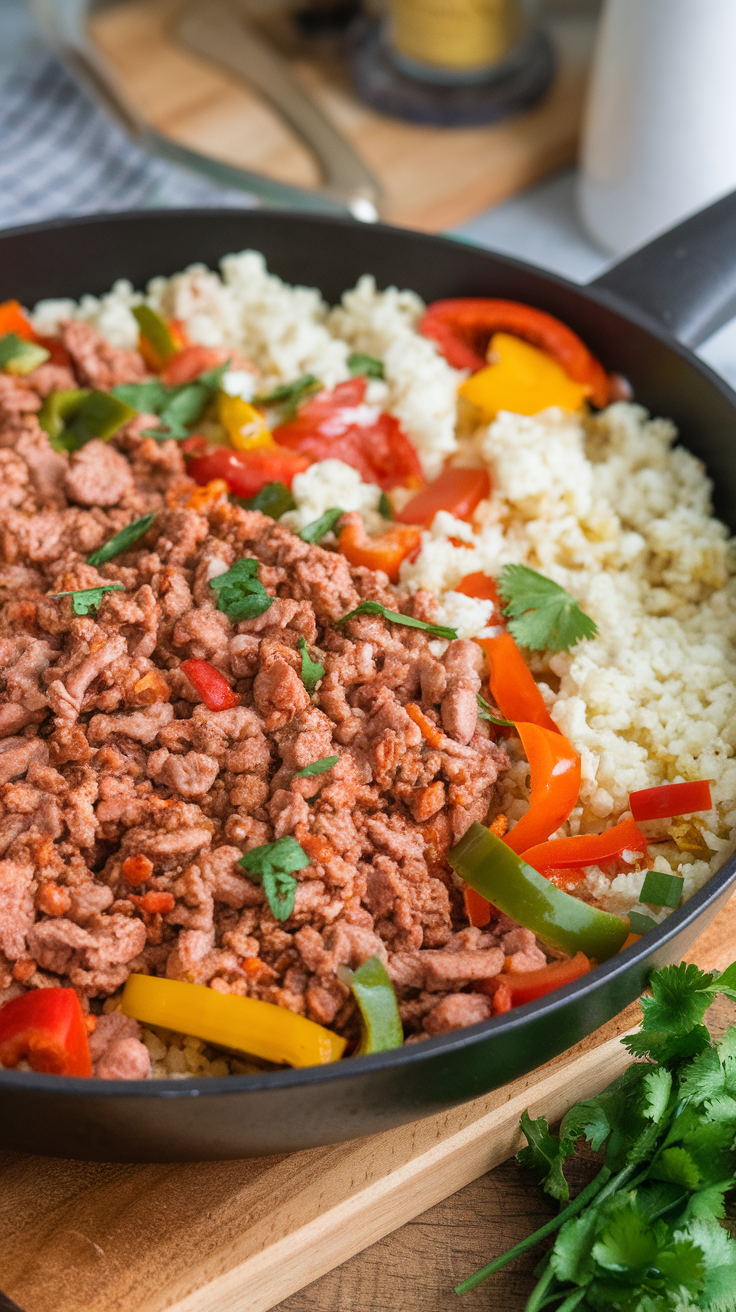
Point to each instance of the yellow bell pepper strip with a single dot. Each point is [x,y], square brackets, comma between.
[555,784]
[512,683]
[18,356]
[59,408]
[489,865]
[157,339]
[523,380]
[244,425]
[260,1029]
[379,1010]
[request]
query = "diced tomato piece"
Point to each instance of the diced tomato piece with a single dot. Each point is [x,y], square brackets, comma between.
[456,490]
[190,362]
[246,472]
[340,425]
[212,686]
[47,1029]
[671,799]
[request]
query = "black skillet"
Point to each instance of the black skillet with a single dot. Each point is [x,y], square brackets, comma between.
[684,284]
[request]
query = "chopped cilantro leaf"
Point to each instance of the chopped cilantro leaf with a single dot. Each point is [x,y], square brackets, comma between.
[317,767]
[126,538]
[274,499]
[288,396]
[86,599]
[240,593]
[312,671]
[367,365]
[485,713]
[395,617]
[177,407]
[543,615]
[318,528]
[272,865]
[384,507]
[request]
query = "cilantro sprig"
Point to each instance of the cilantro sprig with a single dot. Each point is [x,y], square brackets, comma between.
[127,537]
[177,407]
[543,617]
[317,767]
[312,671]
[318,528]
[367,365]
[395,617]
[645,1234]
[272,865]
[485,713]
[240,593]
[86,599]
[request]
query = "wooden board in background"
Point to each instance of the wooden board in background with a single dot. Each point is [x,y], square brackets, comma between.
[432,177]
[231,1236]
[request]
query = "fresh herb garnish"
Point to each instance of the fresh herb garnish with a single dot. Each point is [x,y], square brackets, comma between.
[272,865]
[274,499]
[288,396]
[177,407]
[312,672]
[318,528]
[384,507]
[86,599]
[485,713]
[645,1234]
[661,890]
[122,540]
[367,365]
[375,608]
[240,593]
[317,767]
[543,615]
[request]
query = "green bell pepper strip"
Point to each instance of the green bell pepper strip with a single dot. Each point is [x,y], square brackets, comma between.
[496,872]
[59,408]
[100,415]
[379,1011]
[156,331]
[19,357]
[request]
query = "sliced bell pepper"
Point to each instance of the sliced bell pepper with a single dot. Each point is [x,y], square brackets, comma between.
[477,908]
[464,326]
[459,491]
[531,984]
[212,686]
[19,357]
[59,408]
[99,415]
[247,472]
[341,425]
[588,849]
[481,586]
[489,865]
[379,1010]
[242,1024]
[46,1028]
[13,319]
[191,361]
[671,799]
[158,340]
[512,683]
[555,784]
[385,552]
[429,730]
[244,425]
[521,379]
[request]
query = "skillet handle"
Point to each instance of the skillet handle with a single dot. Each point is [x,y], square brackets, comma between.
[685,279]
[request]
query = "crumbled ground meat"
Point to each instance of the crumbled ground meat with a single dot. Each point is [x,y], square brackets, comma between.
[117,782]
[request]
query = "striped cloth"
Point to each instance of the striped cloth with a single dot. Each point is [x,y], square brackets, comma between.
[60,155]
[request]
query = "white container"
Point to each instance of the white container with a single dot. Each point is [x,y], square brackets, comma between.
[659,141]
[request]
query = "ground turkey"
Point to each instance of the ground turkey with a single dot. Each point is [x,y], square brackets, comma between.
[117,783]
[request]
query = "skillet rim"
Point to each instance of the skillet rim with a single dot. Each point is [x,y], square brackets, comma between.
[623,962]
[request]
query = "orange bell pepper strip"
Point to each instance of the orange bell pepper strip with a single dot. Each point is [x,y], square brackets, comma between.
[430,731]
[386,552]
[46,1028]
[459,491]
[512,683]
[531,984]
[191,361]
[477,907]
[555,784]
[463,327]
[588,849]
[480,585]
[13,319]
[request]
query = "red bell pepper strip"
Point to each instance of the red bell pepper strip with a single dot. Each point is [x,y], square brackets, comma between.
[341,425]
[464,326]
[190,362]
[212,686]
[385,552]
[247,472]
[671,799]
[46,1028]
[477,908]
[588,849]
[458,491]
[555,784]
[512,683]
[531,984]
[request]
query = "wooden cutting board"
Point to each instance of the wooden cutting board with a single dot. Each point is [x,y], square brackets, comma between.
[432,177]
[242,1236]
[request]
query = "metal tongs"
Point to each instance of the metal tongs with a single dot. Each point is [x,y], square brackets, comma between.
[219,30]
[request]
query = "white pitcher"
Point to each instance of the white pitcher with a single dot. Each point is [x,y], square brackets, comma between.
[659,140]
